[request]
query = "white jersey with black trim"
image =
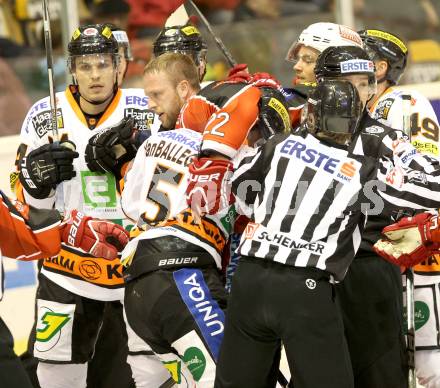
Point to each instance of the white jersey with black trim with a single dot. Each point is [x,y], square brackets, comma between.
[92,193]
[425,136]
[154,195]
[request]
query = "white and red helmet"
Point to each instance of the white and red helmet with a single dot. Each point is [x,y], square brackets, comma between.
[319,36]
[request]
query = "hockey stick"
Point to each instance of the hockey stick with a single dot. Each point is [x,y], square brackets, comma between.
[49,60]
[409,273]
[232,62]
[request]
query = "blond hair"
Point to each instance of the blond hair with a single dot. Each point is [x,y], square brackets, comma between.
[178,67]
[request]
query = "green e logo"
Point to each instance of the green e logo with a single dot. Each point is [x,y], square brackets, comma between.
[99,190]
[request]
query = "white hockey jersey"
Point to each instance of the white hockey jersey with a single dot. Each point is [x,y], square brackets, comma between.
[154,195]
[93,193]
[388,109]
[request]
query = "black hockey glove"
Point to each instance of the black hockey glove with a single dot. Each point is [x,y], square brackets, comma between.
[47,166]
[110,148]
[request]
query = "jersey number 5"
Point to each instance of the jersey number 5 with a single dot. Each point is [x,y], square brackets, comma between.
[163,188]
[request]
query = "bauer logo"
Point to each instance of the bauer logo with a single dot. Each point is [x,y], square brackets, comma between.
[42,122]
[143,118]
[357,66]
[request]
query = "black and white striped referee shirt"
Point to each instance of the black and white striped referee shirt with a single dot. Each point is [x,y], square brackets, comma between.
[308,200]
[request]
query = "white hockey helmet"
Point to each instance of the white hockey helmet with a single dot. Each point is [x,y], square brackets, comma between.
[319,36]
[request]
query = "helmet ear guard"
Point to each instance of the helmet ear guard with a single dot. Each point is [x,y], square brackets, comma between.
[273,114]
[333,111]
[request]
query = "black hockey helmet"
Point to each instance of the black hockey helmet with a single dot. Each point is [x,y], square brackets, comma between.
[333,111]
[184,39]
[273,114]
[383,45]
[92,39]
[335,62]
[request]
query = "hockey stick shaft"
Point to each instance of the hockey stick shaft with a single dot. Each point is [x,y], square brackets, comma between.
[49,60]
[409,274]
[232,62]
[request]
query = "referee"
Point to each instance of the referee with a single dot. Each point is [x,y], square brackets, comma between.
[305,195]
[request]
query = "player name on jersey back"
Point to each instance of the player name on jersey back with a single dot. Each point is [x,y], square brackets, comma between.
[180,151]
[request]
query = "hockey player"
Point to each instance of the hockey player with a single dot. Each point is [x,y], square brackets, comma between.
[124,51]
[304,52]
[174,294]
[108,365]
[315,38]
[307,220]
[75,284]
[185,40]
[30,234]
[389,54]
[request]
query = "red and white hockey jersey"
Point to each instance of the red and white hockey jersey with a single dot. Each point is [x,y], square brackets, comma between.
[27,233]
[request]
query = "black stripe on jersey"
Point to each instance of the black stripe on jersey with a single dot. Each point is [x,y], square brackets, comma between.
[295,201]
[335,226]
[298,196]
[411,197]
[291,259]
[275,190]
[324,205]
[346,248]
[255,246]
[313,260]
[273,250]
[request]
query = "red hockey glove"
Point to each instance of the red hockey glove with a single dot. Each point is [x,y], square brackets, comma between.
[239,73]
[208,189]
[265,80]
[410,240]
[98,237]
